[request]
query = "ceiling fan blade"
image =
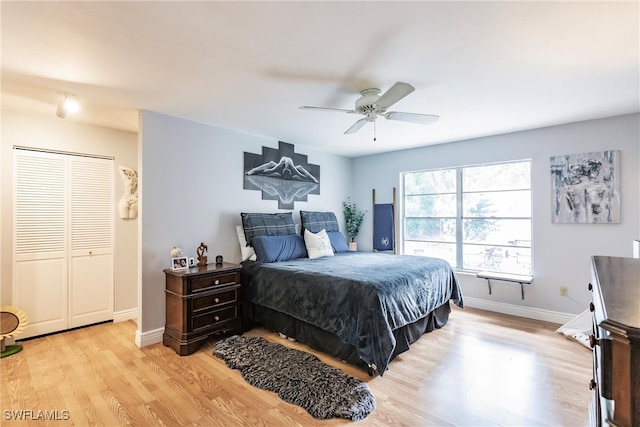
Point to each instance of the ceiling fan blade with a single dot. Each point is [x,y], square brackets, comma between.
[356,126]
[305,107]
[395,93]
[425,119]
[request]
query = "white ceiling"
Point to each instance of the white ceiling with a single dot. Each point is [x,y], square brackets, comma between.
[483,67]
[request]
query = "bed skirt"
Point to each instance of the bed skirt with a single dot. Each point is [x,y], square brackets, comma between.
[331,344]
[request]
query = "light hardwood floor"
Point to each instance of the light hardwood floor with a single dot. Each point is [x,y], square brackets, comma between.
[481,369]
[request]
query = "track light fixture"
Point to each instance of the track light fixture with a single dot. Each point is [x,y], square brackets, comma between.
[68,105]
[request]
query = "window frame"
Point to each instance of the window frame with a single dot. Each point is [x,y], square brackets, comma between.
[460,217]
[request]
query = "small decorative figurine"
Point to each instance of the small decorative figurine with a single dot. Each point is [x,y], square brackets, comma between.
[219,260]
[202,257]
[128,204]
[176,252]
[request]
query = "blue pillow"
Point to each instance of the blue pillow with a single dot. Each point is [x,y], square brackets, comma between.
[266,224]
[317,221]
[338,242]
[279,248]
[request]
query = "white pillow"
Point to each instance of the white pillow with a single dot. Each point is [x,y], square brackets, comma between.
[318,244]
[246,251]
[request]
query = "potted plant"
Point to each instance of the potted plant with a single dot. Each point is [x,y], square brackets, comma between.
[353,218]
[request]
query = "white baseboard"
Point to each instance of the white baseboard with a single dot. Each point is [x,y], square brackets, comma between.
[121,316]
[148,338]
[517,310]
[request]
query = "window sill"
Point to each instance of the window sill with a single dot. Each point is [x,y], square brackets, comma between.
[466,272]
[504,277]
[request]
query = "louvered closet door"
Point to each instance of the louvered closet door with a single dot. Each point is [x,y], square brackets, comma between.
[40,240]
[63,240]
[92,204]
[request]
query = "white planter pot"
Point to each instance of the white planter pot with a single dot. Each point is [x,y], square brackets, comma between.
[353,246]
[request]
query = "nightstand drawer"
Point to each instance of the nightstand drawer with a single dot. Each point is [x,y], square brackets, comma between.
[217,299]
[214,318]
[200,284]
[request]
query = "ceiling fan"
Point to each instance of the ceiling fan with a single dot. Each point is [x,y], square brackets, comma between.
[371,105]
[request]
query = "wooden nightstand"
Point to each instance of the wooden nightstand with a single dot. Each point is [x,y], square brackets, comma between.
[200,302]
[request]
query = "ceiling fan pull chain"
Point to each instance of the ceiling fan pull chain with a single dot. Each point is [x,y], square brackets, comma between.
[374,131]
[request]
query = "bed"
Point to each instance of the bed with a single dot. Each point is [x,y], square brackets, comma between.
[362,307]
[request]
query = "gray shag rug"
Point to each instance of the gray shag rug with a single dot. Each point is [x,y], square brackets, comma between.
[298,377]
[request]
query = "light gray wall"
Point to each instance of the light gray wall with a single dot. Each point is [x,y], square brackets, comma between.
[561,251]
[52,133]
[191,191]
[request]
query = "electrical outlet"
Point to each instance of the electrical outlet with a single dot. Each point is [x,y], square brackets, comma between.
[564,291]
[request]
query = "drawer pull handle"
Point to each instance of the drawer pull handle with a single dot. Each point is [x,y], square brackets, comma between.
[216,318]
[217,282]
[216,300]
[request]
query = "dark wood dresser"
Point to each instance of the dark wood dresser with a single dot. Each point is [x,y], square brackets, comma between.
[200,302]
[615,306]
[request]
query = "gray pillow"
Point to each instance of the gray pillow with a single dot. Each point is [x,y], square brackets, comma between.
[317,221]
[267,224]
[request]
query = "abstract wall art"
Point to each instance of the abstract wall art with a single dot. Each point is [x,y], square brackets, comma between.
[281,175]
[586,188]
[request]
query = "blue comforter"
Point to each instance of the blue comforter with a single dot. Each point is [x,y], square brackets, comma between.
[359,296]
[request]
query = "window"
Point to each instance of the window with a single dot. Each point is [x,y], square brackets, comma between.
[475,217]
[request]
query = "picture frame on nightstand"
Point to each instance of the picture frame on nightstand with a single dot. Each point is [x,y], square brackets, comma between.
[179,263]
